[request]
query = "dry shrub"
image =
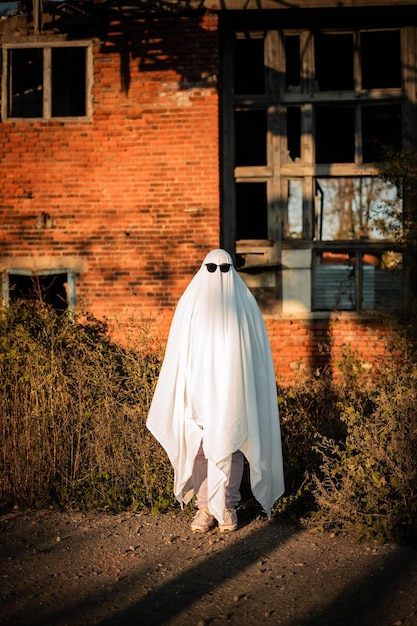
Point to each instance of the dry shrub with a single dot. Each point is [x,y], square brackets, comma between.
[73,410]
[367,480]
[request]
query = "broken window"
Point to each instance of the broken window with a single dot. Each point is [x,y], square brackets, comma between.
[25,68]
[46,81]
[250,137]
[304,152]
[251,211]
[249,70]
[335,134]
[292,63]
[381,129]
[55,289]
[381,59]
[337,47]
[68,82]
[294,132]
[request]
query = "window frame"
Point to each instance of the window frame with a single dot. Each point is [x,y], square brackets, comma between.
[279,168]
[46,272]
[47,47]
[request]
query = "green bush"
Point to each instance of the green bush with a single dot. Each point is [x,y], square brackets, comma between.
[74,405]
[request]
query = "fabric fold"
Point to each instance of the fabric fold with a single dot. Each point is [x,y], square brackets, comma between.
[217,383]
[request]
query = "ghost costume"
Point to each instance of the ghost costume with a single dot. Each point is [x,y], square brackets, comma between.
[217,387]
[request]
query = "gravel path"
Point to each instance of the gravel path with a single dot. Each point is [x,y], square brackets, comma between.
[86,569]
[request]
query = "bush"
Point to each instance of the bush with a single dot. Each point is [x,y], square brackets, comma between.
[74,405]
[73,434]
[367,480]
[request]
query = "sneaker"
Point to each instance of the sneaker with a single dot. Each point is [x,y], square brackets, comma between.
[202,522]
[229,521]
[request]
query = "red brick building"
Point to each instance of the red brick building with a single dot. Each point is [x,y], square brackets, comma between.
[135,138]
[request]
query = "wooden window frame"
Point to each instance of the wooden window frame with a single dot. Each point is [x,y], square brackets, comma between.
[279,168]
[47,83]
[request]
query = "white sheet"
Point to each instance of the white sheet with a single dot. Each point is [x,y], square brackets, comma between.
[217,381]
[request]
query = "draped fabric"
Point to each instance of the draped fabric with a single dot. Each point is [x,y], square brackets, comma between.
[217,383]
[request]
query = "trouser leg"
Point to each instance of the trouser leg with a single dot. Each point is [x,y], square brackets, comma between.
[233,488]
[200,479]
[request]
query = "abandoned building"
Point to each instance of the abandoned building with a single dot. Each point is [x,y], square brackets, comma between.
[137,136]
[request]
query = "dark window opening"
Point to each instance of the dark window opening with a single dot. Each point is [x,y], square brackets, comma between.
[251,211]
[50,289]
[335,134]
[249,73]
[39,89]
[381,59]
[294,132]
[250,137]
[25,77]
[381,129]
[331,49]
[292,63]
[68,82]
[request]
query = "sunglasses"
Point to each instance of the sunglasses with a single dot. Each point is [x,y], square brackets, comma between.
[224,267]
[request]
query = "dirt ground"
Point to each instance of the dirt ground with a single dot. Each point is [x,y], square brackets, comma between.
[131,569]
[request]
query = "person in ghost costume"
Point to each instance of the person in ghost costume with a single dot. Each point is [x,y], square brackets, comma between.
[216,399]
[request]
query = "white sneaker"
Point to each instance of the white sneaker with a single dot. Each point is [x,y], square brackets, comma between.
[202,522]
[229,522]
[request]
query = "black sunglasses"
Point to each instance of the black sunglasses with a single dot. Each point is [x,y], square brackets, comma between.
[224,267]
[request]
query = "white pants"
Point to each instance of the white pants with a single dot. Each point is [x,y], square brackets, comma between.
[200,479]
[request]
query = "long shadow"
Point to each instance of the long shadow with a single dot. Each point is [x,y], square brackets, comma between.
[368,599]
[371,601]
[158,606]
[364,602]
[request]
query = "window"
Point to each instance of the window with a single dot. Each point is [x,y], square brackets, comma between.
[312,112]
[349,280]
[52,287]
[48,81]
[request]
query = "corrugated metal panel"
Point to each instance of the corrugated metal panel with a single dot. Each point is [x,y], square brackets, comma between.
[334,288]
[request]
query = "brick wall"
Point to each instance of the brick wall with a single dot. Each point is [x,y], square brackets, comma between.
[133,196]
[131,199]
[306,346]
